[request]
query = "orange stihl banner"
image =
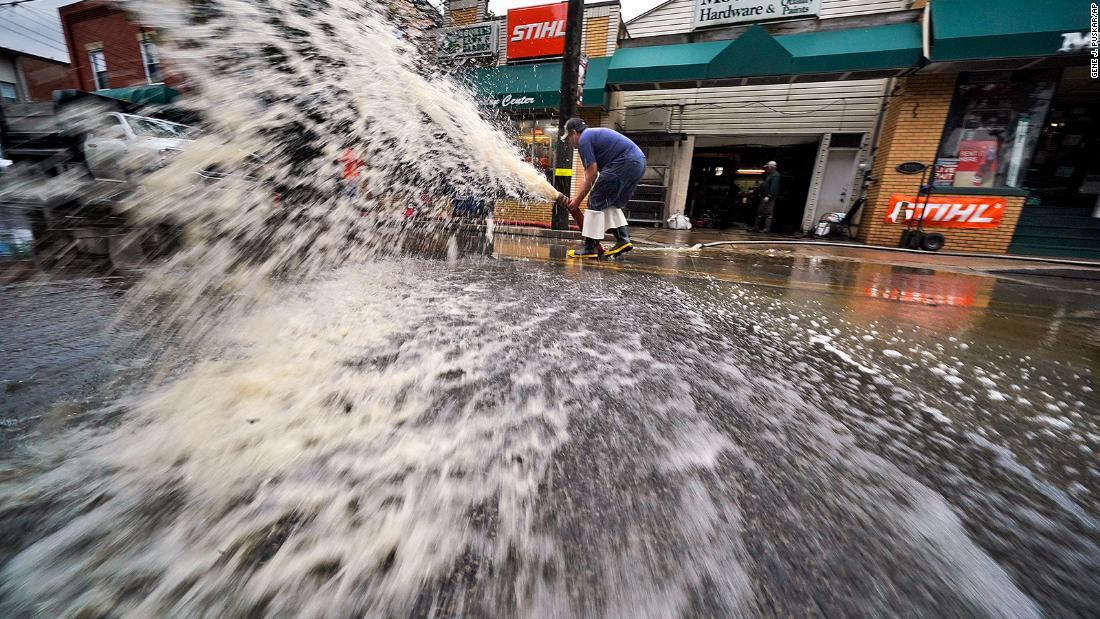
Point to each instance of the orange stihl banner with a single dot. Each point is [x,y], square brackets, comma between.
[537,31]
[975,212]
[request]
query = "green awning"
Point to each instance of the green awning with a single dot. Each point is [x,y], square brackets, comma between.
[877,48]
[757,53]
[529,86]
[687,61]
[752,54]
[980,29]
[595,82]
[895,46]
[142,95]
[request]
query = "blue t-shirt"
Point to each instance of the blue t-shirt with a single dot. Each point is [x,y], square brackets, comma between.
[606,146]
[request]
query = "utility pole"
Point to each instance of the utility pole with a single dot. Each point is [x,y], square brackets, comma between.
[567,108]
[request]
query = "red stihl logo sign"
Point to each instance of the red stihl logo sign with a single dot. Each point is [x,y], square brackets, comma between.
[537,31]
[976,212]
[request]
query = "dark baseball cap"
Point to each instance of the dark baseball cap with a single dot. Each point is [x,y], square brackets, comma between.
[573,124]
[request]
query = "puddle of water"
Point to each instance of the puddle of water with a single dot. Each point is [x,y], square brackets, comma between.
[411,436]
[345,433]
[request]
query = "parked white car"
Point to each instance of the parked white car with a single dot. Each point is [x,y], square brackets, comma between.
[126,143]
[75,163]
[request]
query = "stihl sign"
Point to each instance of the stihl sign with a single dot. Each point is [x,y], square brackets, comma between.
[537,31]
[975,212]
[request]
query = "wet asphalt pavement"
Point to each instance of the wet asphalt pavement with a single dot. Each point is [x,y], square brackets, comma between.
[752,433]
[57,343]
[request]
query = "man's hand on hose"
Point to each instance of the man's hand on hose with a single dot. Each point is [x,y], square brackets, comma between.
[590,174]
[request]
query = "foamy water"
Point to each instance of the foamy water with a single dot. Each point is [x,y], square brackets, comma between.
[284,90]
[337,431]
[412,437]
[352,425]
[216,460]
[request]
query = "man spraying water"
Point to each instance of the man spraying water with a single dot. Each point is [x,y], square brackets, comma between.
[613,165]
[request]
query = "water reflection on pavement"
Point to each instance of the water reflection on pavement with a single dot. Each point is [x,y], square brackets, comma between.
[750,434]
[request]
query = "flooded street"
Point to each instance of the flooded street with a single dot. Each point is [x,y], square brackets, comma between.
[671,434]
[298,394]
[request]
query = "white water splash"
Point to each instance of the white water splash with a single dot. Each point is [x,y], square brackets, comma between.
[370,472]
[285,88]
[368,454]
[379,440]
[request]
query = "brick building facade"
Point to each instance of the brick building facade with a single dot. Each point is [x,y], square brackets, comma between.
[1005,114]
[45,76]
[108,50]
[912,131]
[26,77]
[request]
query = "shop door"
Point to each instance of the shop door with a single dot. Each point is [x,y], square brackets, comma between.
[1062,216]
[715,197]
[723,179]
[836,183]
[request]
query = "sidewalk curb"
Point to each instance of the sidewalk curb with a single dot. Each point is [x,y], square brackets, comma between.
[571,235]
[1062,261]
[560,235]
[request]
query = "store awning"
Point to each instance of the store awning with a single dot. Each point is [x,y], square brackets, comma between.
[530,86]
[657,63]
[981,29]
[142,95]
[754,53]
[895,46]
[855,51]
[595,82]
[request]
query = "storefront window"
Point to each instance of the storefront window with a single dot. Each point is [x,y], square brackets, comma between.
[1065,171]
[537,137]
[993,127]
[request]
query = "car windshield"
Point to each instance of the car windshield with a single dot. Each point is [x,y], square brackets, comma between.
[152,127]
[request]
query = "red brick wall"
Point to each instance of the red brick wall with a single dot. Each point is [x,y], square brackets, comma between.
[93,21]
[45,77]
[911,132]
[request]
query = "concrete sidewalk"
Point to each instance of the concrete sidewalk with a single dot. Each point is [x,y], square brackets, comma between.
[742,242]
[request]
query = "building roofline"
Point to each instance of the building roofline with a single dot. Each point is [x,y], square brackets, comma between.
[16,52]
[85,5]
[637,17]
[587,5]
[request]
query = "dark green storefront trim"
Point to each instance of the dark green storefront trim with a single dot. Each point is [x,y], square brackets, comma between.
[659,63]
[960,30]
[752,54]
[595,82]
[1056,231]
[983,191]
[757,53]
[895,46]
[987,29]
[533,86]
[142,95]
